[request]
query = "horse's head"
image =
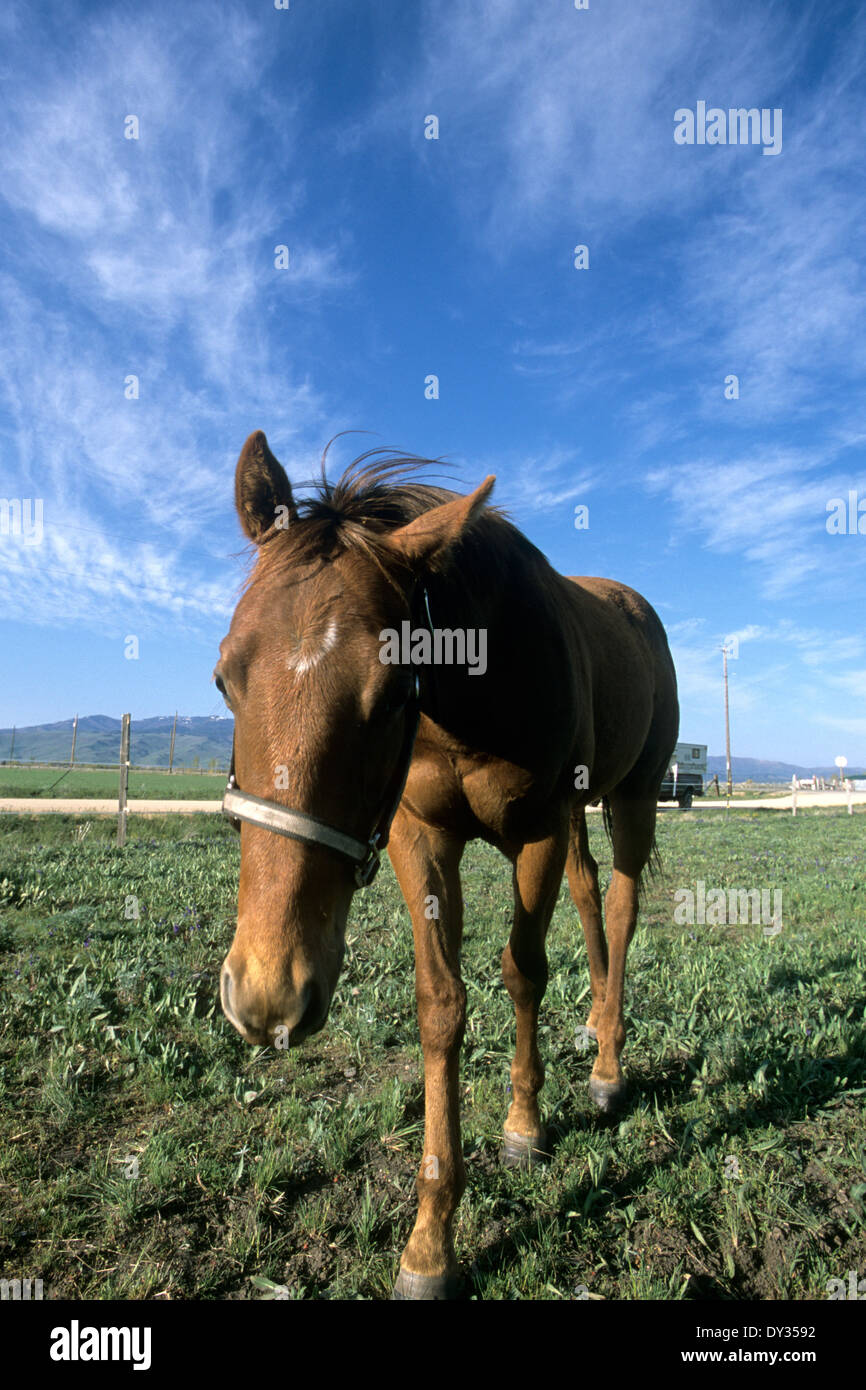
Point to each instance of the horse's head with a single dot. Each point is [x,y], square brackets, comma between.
[322,725]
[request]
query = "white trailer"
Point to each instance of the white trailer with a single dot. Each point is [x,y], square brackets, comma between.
[685,775]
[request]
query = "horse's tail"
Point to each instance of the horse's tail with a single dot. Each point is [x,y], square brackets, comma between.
[653,869]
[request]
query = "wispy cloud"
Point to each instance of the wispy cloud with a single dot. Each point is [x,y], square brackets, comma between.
[105,585]
[539,482]
[771,507]
[571,118]
[567,111]
[151,258]
[781,666]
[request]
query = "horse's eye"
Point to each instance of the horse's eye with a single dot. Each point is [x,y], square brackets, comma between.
[218,681]
[394,702]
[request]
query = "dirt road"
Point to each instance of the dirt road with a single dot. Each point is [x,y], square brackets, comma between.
[92,806]
[83,806]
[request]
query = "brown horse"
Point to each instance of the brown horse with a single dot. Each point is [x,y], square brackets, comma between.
[575,701]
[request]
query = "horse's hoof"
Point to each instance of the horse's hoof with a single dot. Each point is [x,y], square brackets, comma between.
[591,1032]
[608,1095]
[522,1151]
[426,1286]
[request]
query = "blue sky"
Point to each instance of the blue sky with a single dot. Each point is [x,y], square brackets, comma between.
[305,127]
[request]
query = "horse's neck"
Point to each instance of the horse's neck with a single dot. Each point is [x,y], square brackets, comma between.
[527,653]
[520,588]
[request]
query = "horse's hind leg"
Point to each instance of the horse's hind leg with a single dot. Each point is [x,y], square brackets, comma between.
[582,873]
[537,877]
[633,826]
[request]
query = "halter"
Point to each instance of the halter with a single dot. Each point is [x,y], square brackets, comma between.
[298,825]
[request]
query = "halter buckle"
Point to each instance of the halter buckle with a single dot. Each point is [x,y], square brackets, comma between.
[367,870]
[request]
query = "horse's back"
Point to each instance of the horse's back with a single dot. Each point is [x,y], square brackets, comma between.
[621,612]
[632,605]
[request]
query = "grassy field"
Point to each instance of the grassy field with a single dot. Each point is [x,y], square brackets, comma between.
[81,782]
[147,1152]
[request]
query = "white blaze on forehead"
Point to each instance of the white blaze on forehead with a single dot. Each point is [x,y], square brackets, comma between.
[311,648]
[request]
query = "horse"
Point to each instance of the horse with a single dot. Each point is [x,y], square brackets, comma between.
[340,749]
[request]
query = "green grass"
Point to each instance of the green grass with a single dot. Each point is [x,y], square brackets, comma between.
[146,1151]
[98,783]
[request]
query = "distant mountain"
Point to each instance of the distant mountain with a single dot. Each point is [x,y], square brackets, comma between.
[202,737]
[760,770]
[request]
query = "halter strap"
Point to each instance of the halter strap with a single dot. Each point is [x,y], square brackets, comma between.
[240,806]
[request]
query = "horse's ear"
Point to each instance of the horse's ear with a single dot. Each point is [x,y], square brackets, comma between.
[435,531]
[261,487]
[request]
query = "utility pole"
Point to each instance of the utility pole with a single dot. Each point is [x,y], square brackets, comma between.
[727,722]
[124,780]
[74,736]
[12,749]
[171,748]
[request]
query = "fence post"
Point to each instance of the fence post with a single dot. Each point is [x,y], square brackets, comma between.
[124,780]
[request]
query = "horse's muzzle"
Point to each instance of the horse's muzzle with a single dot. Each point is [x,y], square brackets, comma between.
[283,1024]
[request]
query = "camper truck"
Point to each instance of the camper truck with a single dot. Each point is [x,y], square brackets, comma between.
[684,778]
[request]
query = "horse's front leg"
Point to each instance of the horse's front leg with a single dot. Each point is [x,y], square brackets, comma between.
[427,864]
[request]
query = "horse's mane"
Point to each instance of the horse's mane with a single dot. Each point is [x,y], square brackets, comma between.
[377,493]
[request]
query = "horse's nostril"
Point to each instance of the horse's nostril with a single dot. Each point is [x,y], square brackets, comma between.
[232,1001]
[311,1019]
[226,992]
